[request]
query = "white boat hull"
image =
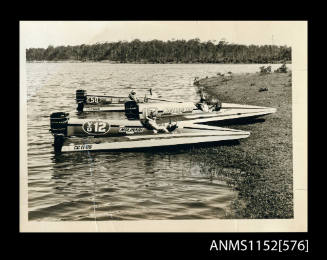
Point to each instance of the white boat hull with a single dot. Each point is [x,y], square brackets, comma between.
[187,134]
[229,114]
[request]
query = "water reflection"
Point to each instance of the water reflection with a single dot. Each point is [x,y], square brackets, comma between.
[132,185]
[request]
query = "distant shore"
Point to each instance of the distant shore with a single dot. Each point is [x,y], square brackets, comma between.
[117,62]
[157,51]
[260,167]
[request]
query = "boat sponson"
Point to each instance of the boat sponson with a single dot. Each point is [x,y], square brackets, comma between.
[188,134]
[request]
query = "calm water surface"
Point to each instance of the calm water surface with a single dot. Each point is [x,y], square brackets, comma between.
[114,185]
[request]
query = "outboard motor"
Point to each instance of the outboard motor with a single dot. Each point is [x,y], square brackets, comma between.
[131,110]
[80,95]
[58,123]
[80,107]
[80,99]
[58,128]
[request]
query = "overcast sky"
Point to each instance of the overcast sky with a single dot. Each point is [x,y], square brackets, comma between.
[44,33]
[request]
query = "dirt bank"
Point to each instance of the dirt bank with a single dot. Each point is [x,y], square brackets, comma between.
[262,164]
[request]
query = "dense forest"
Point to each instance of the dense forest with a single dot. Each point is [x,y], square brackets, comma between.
[155,51]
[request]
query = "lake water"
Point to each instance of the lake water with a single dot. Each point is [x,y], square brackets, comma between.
[117,185]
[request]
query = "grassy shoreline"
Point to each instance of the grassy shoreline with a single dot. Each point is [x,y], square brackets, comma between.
[260,167]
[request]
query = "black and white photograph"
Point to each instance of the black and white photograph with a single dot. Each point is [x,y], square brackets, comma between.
[186,126]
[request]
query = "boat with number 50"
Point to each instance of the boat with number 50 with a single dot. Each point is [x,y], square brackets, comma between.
[181,111]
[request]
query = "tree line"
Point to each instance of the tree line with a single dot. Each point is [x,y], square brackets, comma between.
[155,51]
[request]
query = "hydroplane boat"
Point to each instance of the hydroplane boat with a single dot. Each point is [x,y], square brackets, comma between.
[182,111]
[72,135]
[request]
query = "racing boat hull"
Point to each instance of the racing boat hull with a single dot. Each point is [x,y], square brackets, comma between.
[169,110]
[187,112]
[184,136]
[228,112]
[72,135]
[163,141]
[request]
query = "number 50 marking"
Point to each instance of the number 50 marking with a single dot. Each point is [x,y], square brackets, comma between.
[94,99]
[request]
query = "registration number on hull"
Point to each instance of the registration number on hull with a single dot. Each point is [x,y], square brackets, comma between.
[92,109]
[83,147]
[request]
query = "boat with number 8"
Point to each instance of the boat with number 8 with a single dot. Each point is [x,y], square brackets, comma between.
[72,135]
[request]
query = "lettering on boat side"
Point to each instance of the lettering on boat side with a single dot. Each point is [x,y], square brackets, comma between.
[83,147]
[131,130]
[96,127]
[168,110]
[93,108]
